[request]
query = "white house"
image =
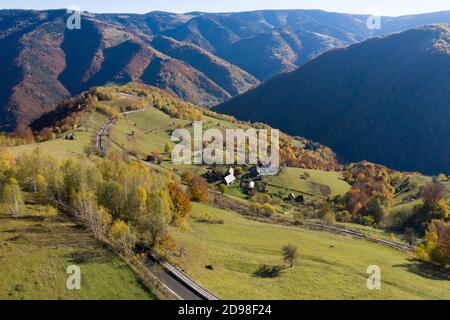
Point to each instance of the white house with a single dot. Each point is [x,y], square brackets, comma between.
[229,179]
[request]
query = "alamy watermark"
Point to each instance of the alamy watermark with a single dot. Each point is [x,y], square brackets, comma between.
[249,147]
[74,280]
[74,20]
[374,280]
[374,20]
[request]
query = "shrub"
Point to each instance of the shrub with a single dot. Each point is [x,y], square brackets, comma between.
[238,171]
[168,148]
[263,198]
[368,221]
[267,210]
[187,176]
[344,216]
[206,218]
[198,188]
[222,188]
[299,217]
[329,218]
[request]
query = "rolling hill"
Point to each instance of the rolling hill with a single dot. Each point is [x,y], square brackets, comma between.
[220,249]
[385,100]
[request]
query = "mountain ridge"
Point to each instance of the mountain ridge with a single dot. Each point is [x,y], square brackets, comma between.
[384,100]
[222,55]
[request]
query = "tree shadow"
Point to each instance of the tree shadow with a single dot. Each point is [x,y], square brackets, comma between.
[425,270]
[9,231]
[83,257]
[266,271]
[37,229]
[31,218]
[19,238]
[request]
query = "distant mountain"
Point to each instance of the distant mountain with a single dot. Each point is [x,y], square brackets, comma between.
[265,43]
[385,100]
[229,77]
[43,62]
[204,58]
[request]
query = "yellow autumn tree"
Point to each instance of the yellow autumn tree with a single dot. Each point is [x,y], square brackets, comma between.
[120,235]
[41,186]
[12,197]
[436,247]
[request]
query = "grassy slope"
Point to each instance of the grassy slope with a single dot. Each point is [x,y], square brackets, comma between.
[62,148]
[291,178]
[149,128]
[34,255]
[238,247]
[152,130]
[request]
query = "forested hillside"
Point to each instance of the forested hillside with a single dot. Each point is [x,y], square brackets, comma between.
[385,100]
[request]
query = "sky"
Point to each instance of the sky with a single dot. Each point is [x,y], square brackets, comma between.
[385,7]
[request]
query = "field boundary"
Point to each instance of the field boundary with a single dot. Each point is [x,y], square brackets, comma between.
[242,209]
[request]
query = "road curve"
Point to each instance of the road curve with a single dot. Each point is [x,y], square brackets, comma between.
[175,282]
[180,285]
[103,132]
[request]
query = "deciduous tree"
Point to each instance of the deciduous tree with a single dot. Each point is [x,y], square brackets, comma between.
[12,197]
[290,254]
[198,187]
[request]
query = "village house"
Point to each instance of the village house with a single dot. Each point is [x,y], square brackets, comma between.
[230,178]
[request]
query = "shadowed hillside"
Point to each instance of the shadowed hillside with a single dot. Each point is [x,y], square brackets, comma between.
[385,100]
[231,78]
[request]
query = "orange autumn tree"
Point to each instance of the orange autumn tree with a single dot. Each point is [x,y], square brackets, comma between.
[198,187]
[372,190]
[182,206]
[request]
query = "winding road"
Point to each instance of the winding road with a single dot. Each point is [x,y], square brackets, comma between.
[104,131]
[175,282]
[179,285]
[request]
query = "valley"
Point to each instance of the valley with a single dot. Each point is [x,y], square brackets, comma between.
[234,155]
[224,250]
[365,101]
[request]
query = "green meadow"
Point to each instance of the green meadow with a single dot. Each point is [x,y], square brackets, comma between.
[35,253]
[329,266]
